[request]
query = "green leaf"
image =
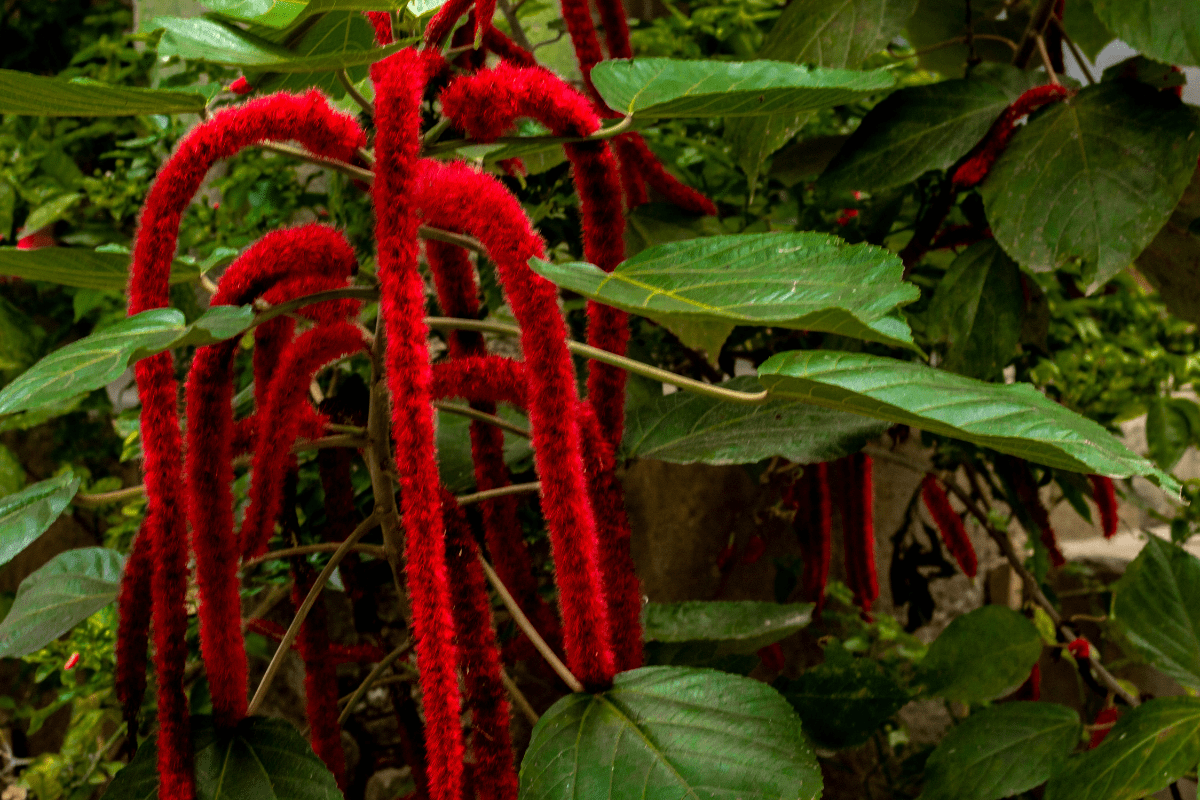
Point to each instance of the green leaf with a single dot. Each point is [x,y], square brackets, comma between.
[737,626]
[12,478]
[845,699]
[272,13]
[687,428]
[67,590]
[922,128]
[981,655]
[455,464]
[977,310]
[666,87]
[936,22]
[1149,747]
[27,514]
[671,732]
[1001,751]
[22,93]
[262,758]
[207,40]
[20,338]
[1167,32]
[804,281]
[1093,178]
[77,266]
[333,34]
[1085,28]
[50,211]
[99,359]
[1014,418]
[1156,606]
[1168,430]
[1172,260]
[838,35]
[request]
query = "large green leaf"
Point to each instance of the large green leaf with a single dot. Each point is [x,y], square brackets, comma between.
[741,626]
[1172,260]
[1169,429]
[333,34]
[702,288]
[100,358]
[981,655]
[1001,751]
[937,22]
[1149,747]
[67,590]
[686,428]
[27,514]
[978,310]
[837,35]
[207,40]
[667,87]
[1156,605]
[1168,32]
[22,93]
[1093,178]
[260,759]
[1085,28]
[671,732]
[922,128]
[76,266]
[1014,418]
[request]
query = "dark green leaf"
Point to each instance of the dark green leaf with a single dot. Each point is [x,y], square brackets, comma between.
[671,732]
[686,428]
[1085,28]
[845,699]
[805,281]
[1168,431]
[1093,178]
[1001,751]
[666,87]
[50,211]
[657,223]
[1149,747]
[262,758]
[1168,32]
[334,33]
[923,128]
[737,626]
[981,655]
[936,22]
[455,464]
[67,590]
[76,266]
[1156,605]
[1014,418]
[1172,260]
[1148,71]
[977,311]
[27,514]
[22,93]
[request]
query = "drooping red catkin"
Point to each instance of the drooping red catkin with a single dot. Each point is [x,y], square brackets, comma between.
[809,497]
[858,530]
[664,182]
[1106,718]
[1105,495]
[578,19]
[1027,496]
[509,51]
[399,84]
[471,58]
[453,196]
[241,86]
[320,678]
[381,21]
[975,167]
[495,777]
[616,28]
[950,525]
[488,379]
[632,181]
[309,120]
[133,628]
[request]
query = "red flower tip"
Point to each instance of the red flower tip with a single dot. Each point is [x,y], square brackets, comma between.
[1079,648]
[381,21]
[241,86]
[1105,496]
[1031,689]
[754,550]
[772,657]
[42,237]
[1105,719]
[71,662]
[847,215]
[949,524]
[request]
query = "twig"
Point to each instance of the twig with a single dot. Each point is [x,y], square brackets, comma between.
[379,461]
[961,40]
[375,672]
[312,158]
[1075,51]
[600,135]
[308,549]
[105,498]
[355,95]
[527,628]
[519,699]
[502,491]
[1041,45]
[95,760]
[514,24]
[293,630]
[467,242]
[482,416]
[1037,24]
[274,595]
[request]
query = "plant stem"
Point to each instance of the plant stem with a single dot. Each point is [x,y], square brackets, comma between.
[312,158]
[308,549]
[501,491]
[1075,51]
[482,416]
[357,97]
[274,595]
[519,699]
[374,674]
[600,135]
[1037,24]
[293,630]
[1041,45]
[527,628]
[514,24]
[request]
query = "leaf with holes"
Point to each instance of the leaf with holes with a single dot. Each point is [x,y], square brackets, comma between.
[702,288]
[1168,32]
[671,732]
[1093,178]
[27,514]
[667,87]
[22,93]
[736,626]
[1015,418]
[76,266]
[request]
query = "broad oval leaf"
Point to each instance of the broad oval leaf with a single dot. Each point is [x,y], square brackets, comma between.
[671,732]
[1156,605]
[77,266]
[1015,418]
[686,428]
[100,358]
[1171,262]
[922,128]
[1149,747]
[739,626]
[67,590]
[1001,751]
[667,87]
[981,655]
[1093,178]
[22,93]
[262,758]
[27,514]
[702,288]
[1168,32]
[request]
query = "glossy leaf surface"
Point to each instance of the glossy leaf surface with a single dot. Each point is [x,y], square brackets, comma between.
[738,626]
[27,514]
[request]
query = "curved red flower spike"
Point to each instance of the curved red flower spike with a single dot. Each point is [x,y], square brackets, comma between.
[949,524]
[133,628]
[858,530]
[486,379]
[1106,718]
[1105,495]
[320,678]
[978,163]
[381,21]
[1028,496]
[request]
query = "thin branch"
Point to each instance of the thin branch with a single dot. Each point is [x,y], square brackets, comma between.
[600,135]
[502,491]
[1037,25]
[268,313]
[379,461]
[355,95]
[961,40]
[105,498]
[519,699]
[312,158]
[1041,46]
[293,630]
[376,671]
[514,24]
[527,628]
[467,242]
[308,549]
[482,416]
[1075,51]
